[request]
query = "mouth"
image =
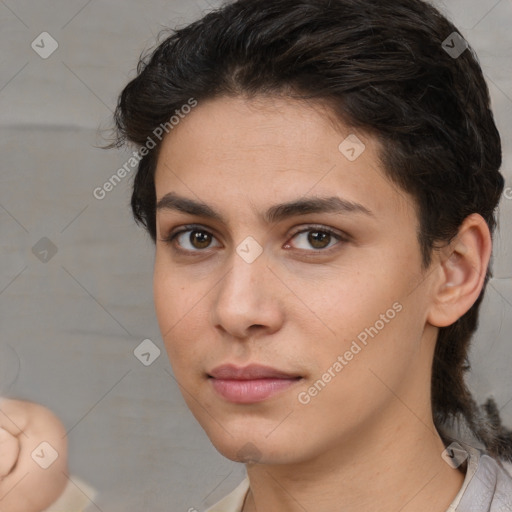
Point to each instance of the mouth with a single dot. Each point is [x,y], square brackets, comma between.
[250,384]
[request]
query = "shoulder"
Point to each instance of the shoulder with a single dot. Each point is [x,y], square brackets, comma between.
[234,501]
[75,497]
[487,486]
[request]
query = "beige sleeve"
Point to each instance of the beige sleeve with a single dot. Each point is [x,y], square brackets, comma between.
[76,496]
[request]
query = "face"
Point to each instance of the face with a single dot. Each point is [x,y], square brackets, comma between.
[288,283]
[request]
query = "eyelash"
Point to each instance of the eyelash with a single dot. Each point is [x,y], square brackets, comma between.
[170,239]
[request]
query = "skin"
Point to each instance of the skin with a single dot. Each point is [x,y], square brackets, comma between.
[367,440]
[24,485]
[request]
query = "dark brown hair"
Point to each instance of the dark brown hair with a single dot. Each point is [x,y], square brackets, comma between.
[382,67]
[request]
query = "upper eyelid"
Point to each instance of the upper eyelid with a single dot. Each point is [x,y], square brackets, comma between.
[188,227]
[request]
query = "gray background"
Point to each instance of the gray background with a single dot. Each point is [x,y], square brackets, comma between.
[69,325]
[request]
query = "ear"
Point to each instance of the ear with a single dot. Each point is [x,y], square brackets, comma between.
[463,265]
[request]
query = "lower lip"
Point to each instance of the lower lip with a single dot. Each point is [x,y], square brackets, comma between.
[250,391]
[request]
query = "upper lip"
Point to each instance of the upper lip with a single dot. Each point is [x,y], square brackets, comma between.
[250,372]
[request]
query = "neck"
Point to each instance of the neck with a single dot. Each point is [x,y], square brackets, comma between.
[402,470]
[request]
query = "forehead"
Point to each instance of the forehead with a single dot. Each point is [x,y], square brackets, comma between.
[269,150]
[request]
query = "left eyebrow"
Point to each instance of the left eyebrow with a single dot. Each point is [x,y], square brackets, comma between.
[275,213]
[333,204]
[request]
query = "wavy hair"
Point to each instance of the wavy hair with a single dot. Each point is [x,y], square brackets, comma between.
[381,67]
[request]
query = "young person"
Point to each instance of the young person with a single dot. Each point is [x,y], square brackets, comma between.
[320,178]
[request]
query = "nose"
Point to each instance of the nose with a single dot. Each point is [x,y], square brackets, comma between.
[248,301]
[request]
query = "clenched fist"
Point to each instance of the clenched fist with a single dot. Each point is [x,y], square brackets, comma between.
[31,477]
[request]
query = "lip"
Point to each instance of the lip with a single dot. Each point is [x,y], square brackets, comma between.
[250,384]
[250,372]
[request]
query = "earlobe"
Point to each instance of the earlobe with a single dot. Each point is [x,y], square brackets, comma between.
[463,267]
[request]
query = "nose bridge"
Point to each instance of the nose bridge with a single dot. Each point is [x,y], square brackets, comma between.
[244,297]
[246,277]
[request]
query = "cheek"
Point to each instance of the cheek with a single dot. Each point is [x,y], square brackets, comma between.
[170,299]
[165,297]
[344,301]
[174,295]
[373,308]
[355,372]
[181,314]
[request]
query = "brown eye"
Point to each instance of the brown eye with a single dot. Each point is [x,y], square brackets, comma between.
[191,239]
[319,239]
[200,239]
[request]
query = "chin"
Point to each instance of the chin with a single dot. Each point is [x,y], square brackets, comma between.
[255,448]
